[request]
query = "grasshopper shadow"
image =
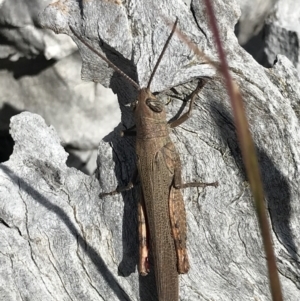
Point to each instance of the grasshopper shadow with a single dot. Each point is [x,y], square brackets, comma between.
[276,187]
[124,158]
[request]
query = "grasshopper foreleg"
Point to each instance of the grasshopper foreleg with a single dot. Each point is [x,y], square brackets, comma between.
[130,185]
[187,115]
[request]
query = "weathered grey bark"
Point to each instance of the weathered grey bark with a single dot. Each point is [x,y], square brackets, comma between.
[60,242]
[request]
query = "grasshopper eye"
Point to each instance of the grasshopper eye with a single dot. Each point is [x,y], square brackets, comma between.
[154,105]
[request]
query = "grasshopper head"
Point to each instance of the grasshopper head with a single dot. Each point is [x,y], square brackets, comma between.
[148,103]
[150,116]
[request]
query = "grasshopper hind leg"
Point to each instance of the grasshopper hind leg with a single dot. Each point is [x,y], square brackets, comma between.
[178,215]
[143,265]
[178,225]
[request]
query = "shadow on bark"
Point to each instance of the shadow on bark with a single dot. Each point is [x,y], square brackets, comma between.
[6,142]
[26,67]
[88,249]
[276,187]
[123,149]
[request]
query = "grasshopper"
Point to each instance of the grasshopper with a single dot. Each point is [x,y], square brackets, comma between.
[161,211]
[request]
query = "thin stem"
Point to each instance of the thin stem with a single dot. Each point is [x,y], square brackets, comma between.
[249,157]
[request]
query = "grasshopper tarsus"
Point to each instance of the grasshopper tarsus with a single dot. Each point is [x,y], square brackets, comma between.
[196,184]
[201,84]
[215,184]
[104,194]
[118,190]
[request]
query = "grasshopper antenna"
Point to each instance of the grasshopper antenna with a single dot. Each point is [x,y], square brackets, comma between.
[105,59]
[162,53]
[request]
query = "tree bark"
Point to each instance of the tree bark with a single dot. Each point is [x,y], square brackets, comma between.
[59,241]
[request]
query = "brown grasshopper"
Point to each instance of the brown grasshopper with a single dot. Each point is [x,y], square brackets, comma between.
[161,211]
